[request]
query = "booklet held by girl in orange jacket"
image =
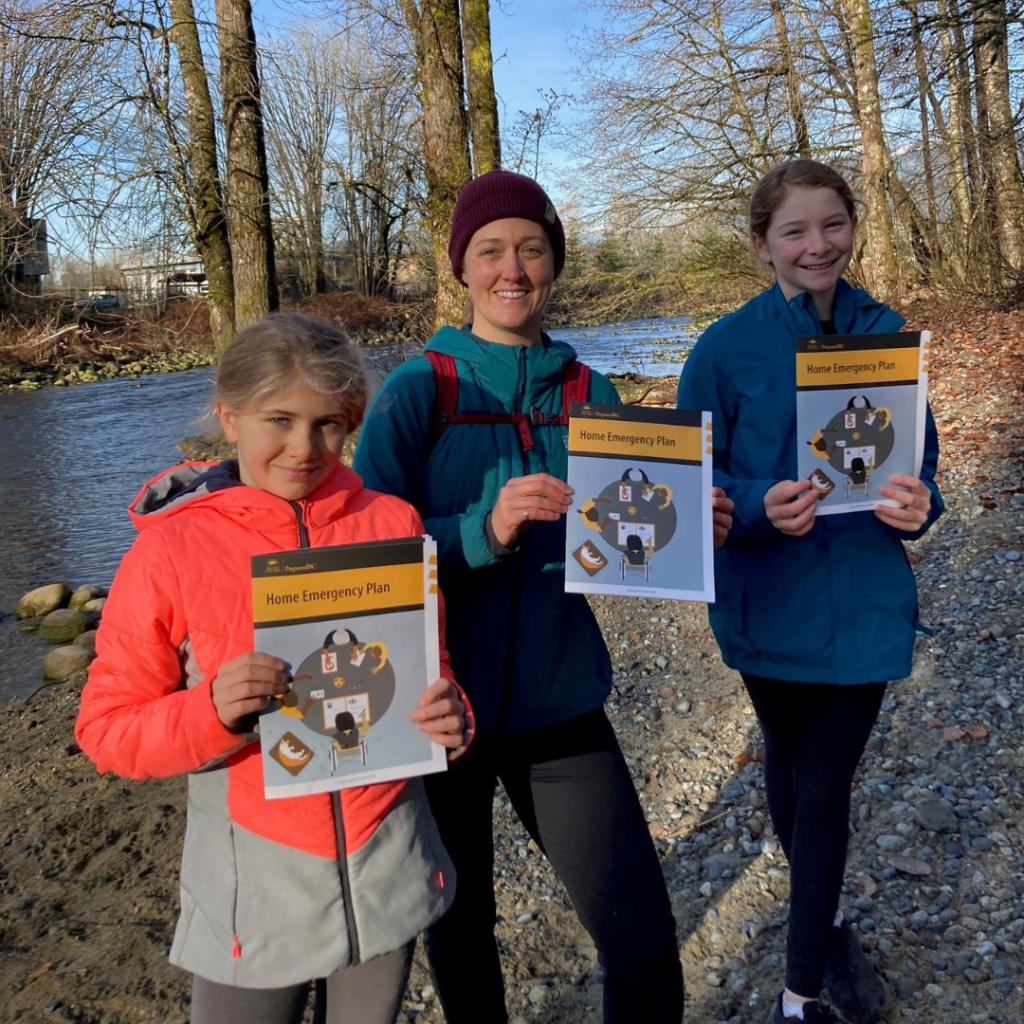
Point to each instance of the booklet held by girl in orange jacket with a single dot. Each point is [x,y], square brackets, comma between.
[357,626]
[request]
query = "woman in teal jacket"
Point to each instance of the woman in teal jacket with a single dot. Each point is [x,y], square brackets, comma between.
[530,656]
[816,614]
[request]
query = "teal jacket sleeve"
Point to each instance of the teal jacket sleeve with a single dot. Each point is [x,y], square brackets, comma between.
[702,387]
[394,446]
[602,390]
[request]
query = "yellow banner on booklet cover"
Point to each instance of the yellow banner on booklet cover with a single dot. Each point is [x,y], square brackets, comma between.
[630,439]
[862,366]
[346,591]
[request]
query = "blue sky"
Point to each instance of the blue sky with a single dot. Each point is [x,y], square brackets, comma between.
[532,42]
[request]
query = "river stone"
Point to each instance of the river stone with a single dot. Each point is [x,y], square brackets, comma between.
[86,639]
[83,595]
[63,625]
[43,600]
[63,662]
[28,625]
[936,816]
[95,605]
[910,865]
[718,864]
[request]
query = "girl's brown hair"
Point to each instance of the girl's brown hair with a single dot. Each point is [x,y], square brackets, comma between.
[773,188]
[273,354]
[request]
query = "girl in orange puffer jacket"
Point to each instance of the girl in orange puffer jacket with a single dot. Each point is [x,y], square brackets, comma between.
[275,894]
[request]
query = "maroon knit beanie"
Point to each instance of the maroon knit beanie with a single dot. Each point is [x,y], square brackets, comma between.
[494,196]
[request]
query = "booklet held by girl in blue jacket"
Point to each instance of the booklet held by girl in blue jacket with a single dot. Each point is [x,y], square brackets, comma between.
[861,402]
[357,626]
[640,524]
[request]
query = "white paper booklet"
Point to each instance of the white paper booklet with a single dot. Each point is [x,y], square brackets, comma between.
[357,626]
[640,523]
[860,413]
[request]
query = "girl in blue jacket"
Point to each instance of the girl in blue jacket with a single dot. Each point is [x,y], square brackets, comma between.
[531,656]
[816,615]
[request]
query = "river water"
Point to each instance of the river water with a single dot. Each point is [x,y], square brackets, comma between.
[71,459]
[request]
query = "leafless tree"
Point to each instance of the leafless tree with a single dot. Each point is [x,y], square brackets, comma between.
[344,149]
[53,123]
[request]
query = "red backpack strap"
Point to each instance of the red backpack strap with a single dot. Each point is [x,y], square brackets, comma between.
[575,385]
[447,378]
[575,388]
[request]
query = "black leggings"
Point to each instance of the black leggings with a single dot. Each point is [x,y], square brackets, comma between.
[814,735]
[572,790]
[368,993]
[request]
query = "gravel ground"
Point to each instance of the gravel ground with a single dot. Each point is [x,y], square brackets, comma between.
[88,894]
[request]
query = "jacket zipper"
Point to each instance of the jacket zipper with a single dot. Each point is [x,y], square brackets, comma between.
[521,383]
[517,571]
[339,820]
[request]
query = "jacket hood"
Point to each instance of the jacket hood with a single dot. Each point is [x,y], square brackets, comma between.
[463,344]
[216,485]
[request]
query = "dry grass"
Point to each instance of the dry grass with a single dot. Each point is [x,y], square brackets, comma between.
[61,337]
[363,313]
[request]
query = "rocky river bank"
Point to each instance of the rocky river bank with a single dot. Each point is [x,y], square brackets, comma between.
[935,882]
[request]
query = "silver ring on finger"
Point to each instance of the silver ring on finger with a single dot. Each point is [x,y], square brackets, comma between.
[526,513]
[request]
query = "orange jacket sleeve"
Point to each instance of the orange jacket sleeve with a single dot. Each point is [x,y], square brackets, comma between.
[137,718]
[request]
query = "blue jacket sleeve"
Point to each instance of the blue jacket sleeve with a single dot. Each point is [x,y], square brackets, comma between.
[391,456]
[928,466]
[700,388]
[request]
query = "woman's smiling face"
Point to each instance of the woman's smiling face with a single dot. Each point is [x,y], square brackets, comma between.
[509,269]
[809,242]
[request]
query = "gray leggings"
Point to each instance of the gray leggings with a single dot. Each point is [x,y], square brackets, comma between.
[369,993]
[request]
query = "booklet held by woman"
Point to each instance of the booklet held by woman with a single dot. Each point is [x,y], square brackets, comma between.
[861,401]
[640,523]
[356,625]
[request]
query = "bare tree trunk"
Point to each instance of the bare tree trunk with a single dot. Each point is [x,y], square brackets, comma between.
[957,152]
[880,263]
[252,241]
[435,30]
[994,82]
[988,261]
[912,222]
[794,99]
[210,229]
[921,68]
[962,82]
[482,103]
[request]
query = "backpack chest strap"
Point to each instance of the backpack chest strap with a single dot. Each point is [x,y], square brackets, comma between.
[575,386]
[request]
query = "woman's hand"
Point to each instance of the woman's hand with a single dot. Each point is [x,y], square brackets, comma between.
[526,499]
[789,509]
[721,515]
[915,503]
[246,685]
[441,714]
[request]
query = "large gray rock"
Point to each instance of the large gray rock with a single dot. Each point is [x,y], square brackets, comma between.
[95,605]
[63,662]
[718,864]
[83,595]
[936,816]
[63,625]
[86,639]
[43,600]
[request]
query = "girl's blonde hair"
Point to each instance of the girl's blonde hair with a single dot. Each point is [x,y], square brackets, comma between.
[774,187]
[285,348]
